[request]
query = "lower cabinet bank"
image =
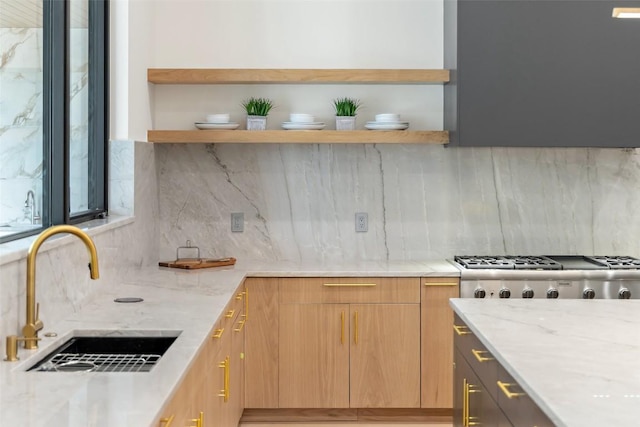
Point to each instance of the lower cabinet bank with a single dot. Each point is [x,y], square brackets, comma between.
[318,349]
[484,393]
[337,348]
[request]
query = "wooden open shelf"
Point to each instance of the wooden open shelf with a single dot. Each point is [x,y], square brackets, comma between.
[293,76]
[299,136]
[296,76]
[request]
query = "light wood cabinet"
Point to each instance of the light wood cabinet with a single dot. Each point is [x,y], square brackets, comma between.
[189,403]
[314,356]
[437,341]
[211,393]
[237,369]
[385,356]
[261,353]
[349,342]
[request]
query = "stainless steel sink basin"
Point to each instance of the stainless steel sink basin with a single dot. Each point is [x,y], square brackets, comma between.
[106,354]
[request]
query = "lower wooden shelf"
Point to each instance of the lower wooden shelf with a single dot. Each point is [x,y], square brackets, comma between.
[298,137]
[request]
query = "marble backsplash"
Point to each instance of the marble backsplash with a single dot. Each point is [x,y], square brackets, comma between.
[423,201]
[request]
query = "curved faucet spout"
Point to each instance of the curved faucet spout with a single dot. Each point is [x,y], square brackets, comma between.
[34,324]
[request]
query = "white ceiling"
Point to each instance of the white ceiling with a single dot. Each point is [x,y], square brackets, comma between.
[28,13]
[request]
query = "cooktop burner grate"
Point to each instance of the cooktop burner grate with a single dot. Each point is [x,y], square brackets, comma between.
[508,262]
[483,262]
[619,262]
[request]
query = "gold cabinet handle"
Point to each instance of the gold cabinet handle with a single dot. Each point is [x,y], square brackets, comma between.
[230,313]
[241,323]
[336,285]
[246,304]
[505,389]
[355,333]
[479,355]
[166,422]
[224,392]
[199,422]
[239,296]
[441,283]
[217,333]
[467,419]
[464,402]
[342,328]
[461,330]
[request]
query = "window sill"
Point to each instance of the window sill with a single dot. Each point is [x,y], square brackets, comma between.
[18,249]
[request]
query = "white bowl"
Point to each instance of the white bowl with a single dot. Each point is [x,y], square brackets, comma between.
[387,117]
[301,118]
[218,118]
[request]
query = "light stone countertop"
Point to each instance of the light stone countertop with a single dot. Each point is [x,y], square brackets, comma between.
[579,360]
[174,300]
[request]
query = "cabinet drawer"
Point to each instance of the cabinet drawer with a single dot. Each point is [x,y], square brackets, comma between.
[350,290]
[479,358]
[232,315]
[517,405]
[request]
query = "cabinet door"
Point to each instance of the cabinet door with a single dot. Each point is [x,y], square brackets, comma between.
[217,383]
[314,356]
[437,342]
[385,356]
[261,353]
[517,405]
[236,397]
[473,405]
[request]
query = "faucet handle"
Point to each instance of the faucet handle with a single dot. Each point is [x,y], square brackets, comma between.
[12,346]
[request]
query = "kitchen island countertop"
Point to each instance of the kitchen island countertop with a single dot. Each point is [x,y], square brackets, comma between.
[579,360]
[174,300]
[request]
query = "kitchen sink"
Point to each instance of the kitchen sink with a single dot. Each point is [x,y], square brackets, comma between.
[106,354]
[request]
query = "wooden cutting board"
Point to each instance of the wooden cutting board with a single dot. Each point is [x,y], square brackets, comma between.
[195,263]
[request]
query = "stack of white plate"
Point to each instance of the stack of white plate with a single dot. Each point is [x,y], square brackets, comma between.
[300,121]
[387,122]
[217,121]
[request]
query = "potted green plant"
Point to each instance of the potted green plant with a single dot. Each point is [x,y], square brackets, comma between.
[257,110]
[346,109]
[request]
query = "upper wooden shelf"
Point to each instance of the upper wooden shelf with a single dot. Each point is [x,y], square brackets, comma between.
[298,136]
[292,76]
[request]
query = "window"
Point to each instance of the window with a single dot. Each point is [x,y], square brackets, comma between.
[53,113]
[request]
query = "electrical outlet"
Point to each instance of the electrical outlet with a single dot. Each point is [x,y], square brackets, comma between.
[237,222]
[362,222]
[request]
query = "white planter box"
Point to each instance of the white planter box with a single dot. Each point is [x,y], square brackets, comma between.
[256,122]
[345,122]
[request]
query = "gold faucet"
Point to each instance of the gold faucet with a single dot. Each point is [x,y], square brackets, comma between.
[34,324]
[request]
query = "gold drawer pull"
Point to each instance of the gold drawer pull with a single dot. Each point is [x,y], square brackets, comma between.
[478,354]
[505,390]
[239,296]
[217,333]
[352,285]
[461,330]
[342,328]
[166,422]
[230,314]
[198,421]
[239,328]
[441,283]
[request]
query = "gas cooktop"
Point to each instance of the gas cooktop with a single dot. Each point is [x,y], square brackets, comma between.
[547,262]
